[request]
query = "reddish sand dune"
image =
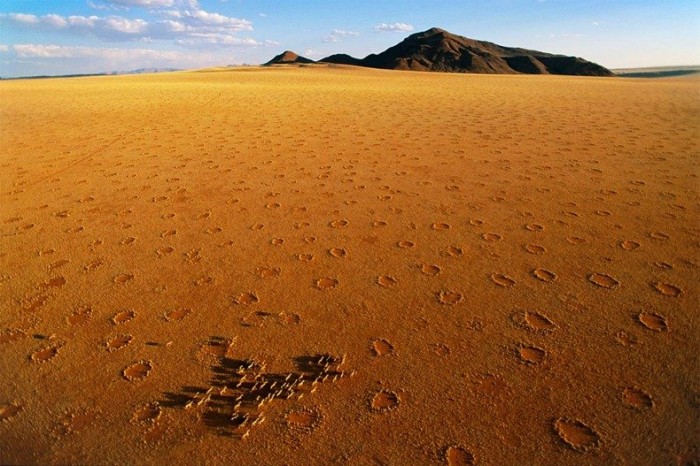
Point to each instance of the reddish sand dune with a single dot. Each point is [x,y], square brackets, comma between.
[316,265]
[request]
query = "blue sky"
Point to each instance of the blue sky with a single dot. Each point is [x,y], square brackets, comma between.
[85,36]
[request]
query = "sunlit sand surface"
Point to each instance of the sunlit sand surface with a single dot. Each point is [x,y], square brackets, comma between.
[317,265]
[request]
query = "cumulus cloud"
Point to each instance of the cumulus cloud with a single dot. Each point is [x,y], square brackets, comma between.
[187,25]
[197,18]
[312,53]
[98,6]
[219,40]
[192,36]
[143,3]
[106,27]
[62,51]
[393,27]
[21,18]
[339,34]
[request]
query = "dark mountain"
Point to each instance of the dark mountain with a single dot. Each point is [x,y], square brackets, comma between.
[342,59]
[438,50]
[288,57]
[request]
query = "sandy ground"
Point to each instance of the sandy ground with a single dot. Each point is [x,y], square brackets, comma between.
[311,265]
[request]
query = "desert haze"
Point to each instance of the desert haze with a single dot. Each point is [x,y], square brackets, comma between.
[329,264]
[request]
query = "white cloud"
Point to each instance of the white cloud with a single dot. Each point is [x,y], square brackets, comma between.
[312,53]
[218,39]
[201,18]
[393,27]
[97,6]
[194,37]
[143,3]
[84,22]
[55,21]
[177,25]
[126,26]
[31,59]
[339,34]
[22,18]
[61,51]
[107,27]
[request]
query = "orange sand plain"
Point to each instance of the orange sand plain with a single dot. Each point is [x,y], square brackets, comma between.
[314,265]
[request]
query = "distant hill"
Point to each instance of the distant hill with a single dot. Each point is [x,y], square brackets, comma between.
[342,59]
[658,72]
[288,57]
[149,71]
[439,50]
[111,73]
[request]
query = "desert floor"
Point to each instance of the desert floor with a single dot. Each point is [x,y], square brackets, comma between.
[313,265]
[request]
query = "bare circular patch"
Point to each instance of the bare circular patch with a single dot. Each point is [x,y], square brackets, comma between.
[535,249]
[576,434]
[430,269]
[9,335]
[491,237]
[122,278]
[147,413]
[659,236]
[326,283]
[118,342]
[45,354]
[544,275]
[653,321]
[386,281]
[603,280]
[246,298]
[531,355]
[9,410]
[304,419]
[137,371]
[384,401]
[127,241]
[667,289]
[628,245]
[268,272]
[215,348]
[76,421]
[55,282]
[440,226]
[80,316]
[534,227]
[406,244]
[534,321]
[456,455]
[502,280]
[123,317]
[338,252]
[164,251]
[289,318]
[449,297]
[637,398]
[339,223]
[382,347]
[176,315]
